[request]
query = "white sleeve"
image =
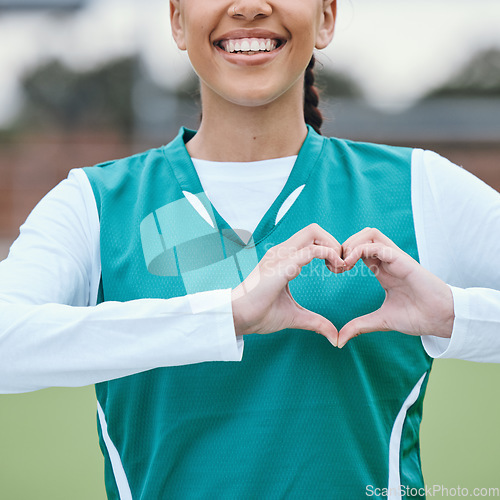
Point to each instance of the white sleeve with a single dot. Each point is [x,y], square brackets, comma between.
[53,334]
[457,225]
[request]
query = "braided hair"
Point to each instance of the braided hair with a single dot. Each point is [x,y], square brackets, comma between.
[312,114]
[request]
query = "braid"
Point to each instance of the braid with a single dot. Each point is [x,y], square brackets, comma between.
[312,114]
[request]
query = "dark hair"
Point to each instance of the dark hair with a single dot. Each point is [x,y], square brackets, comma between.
[312,114]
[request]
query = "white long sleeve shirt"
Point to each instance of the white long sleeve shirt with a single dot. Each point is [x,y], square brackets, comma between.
[52,333]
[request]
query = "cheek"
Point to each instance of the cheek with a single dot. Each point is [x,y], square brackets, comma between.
[304,30]
[198,50]
[196,29]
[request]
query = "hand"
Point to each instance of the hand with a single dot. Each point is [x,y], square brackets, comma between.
[416,302]
[263,303]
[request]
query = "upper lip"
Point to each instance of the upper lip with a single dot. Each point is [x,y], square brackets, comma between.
[249,33]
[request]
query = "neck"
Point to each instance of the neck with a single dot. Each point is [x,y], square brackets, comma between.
[231,132]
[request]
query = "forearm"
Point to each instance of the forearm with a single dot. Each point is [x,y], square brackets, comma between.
[457,222]
[58,345]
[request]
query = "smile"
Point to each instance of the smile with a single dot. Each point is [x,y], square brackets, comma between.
[249,46]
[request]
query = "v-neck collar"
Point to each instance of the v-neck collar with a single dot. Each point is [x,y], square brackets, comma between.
[179,160]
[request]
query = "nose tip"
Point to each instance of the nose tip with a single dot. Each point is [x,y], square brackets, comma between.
[250,10]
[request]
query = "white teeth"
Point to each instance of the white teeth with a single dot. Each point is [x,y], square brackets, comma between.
[249,45]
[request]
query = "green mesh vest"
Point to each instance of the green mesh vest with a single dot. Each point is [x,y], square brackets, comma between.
[296,418]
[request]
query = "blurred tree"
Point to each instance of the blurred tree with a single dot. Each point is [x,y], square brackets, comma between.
[57,97]
[335,84]
[480,77]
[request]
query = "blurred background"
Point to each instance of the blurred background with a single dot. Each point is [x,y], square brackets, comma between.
[85,81]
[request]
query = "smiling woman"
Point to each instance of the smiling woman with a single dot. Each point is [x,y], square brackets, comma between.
[134,273]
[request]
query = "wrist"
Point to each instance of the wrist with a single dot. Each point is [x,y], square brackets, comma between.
[445,328]
[240,323]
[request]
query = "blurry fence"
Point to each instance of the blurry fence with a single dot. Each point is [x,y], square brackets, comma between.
[30,166]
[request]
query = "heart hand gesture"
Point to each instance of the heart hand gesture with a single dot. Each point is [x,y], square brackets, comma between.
[416,302]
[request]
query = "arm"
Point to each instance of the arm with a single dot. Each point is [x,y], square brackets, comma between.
[49,336]
[457,221]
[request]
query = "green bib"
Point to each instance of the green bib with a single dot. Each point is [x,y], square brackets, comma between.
[296,417]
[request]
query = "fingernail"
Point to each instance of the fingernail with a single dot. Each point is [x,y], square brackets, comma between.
[332,342]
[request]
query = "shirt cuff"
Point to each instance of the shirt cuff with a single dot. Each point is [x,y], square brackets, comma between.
[218,302]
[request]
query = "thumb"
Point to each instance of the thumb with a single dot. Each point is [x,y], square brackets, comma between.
[304,319]
[372,322]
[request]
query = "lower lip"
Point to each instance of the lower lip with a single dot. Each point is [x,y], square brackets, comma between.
[253,60]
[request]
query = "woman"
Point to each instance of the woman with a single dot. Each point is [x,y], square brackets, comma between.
[189,247]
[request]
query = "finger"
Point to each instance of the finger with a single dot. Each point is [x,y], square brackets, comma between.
[313,234]
[370,252]
[308,320]
[307,254]
[366,235]
[293,264]
[372,322]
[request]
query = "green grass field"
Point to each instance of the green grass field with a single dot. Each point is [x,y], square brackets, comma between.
[49,448]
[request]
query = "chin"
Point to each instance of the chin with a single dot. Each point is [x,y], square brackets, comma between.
[253,102]
[251,98]
[254,94]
